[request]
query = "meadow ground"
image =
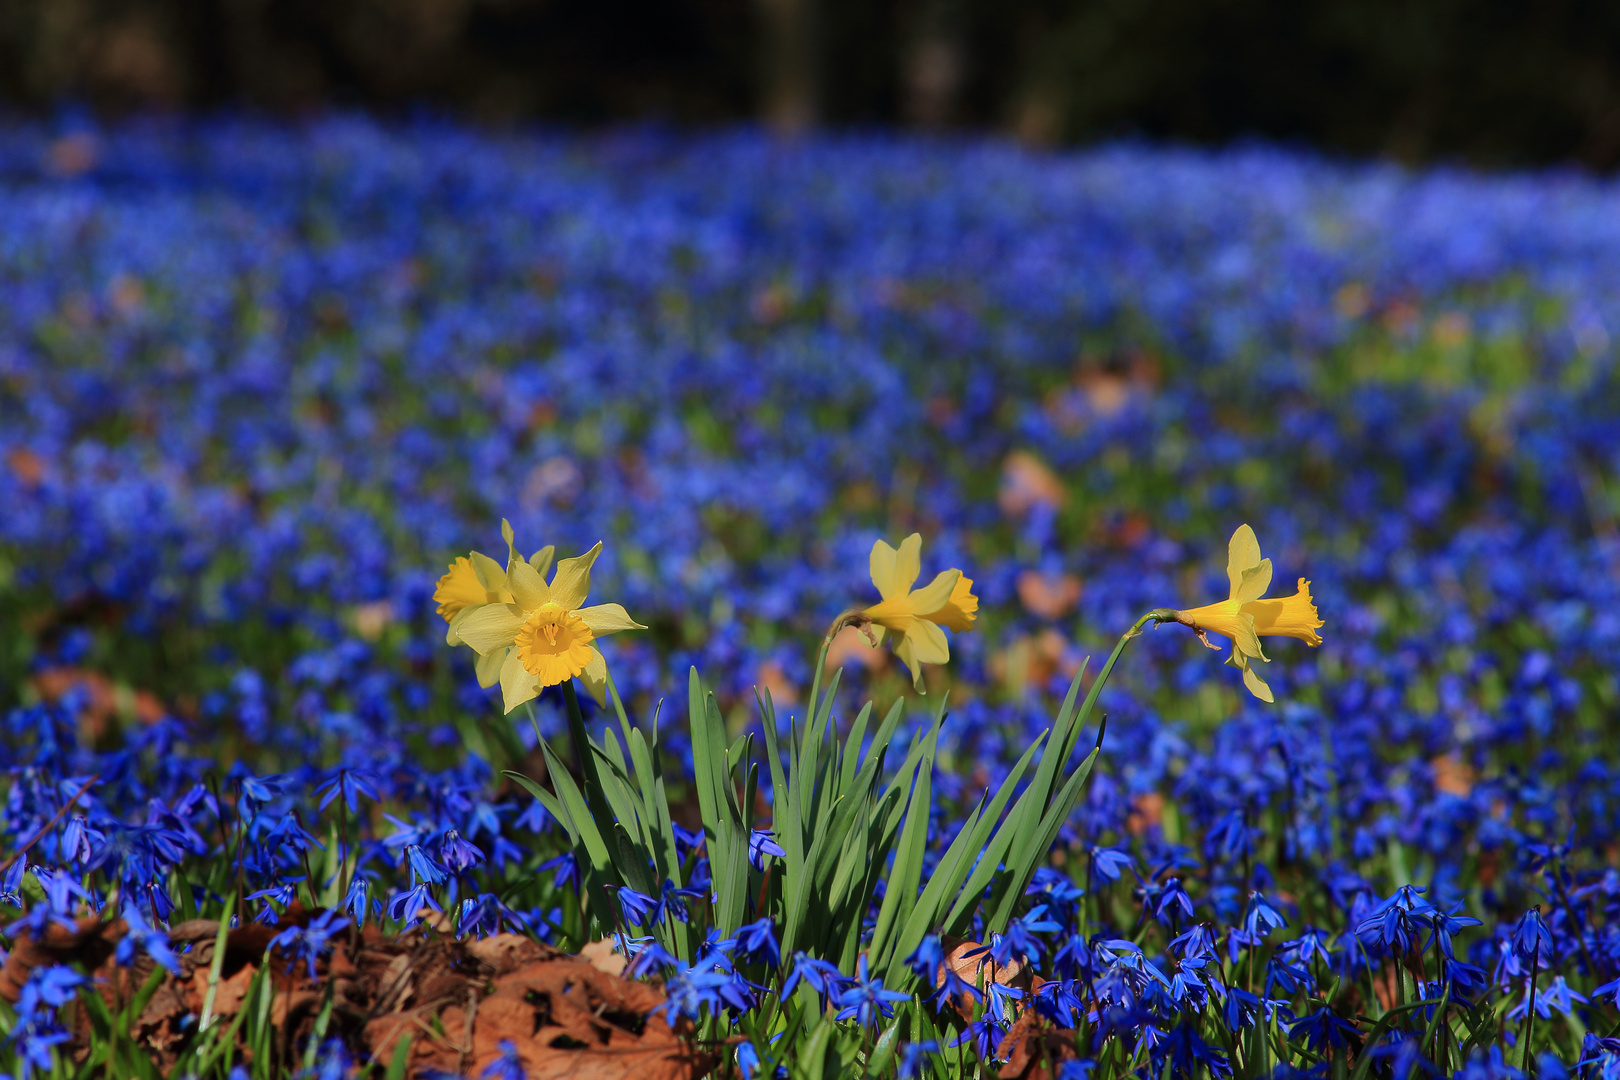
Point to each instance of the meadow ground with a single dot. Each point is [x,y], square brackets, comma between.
[261,385]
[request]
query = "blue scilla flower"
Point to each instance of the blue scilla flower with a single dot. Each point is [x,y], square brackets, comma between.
[650,958]
[1261,918]
[1488,1065]
[1109,863]
[1322,1029]
[311,941]
[820,975]
[1170,902]
[914,1058]
[702,987]
[983,1034]
[1602,1052]
[758,941]
[349,785]
[62,894]
[332,1062]
[760,844]
[37,1033]
[11,884]
[281,894]
[258,791]
[1532,940]
[750,1060]
[1058,1001]
[80,839]
[1003,999]
[637,907]
[354,899]
[1190,1055]
[674,900]
[927,958]
[458,853]
[865,1000]
[141,936]
[1556,996]
[507,1066]
[1055,885]
[487,914]
[564,869]
[424,871]
[408,905]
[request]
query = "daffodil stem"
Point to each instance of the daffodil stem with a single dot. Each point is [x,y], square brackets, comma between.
[1156,616]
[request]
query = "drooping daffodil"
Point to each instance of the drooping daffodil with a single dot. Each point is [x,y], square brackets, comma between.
[915,616]
[544,634]
[1246,616]
[476,579]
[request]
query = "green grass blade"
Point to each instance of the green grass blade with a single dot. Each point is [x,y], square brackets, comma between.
[1032,848]
[547,800]
[954,867]
[401,1058]
[852,748]
[901,895]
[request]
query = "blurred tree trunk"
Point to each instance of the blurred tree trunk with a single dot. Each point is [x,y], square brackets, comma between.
[789,61]
[932,67]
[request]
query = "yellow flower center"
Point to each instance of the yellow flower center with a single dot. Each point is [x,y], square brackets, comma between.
[554,644]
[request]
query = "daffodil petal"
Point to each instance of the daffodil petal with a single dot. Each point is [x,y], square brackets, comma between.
[489,627]
[903,647]
[1257,686]
[928,644]
[452,634]
[895,613]
[607,619]
[1256,580]
[572,582]
[931,598]
[529,589]
[908,563]
[1244,637]
[491,575]
[881,565]
[489,667]
[595,675]
[517,684]
[541,560]
[1242,552]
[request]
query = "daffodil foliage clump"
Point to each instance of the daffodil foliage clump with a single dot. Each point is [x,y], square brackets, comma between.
[835,472]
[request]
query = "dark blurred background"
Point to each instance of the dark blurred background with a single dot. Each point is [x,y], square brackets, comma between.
[1491,82]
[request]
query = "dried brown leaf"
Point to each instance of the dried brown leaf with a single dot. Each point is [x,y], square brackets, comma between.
[975,970]
[1033,1049]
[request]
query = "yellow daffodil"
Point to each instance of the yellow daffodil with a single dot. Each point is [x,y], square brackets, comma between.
[542,635]
[474,580]
[914,616]
[1245,616]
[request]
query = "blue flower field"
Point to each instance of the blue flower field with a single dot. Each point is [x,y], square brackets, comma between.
[298,785]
